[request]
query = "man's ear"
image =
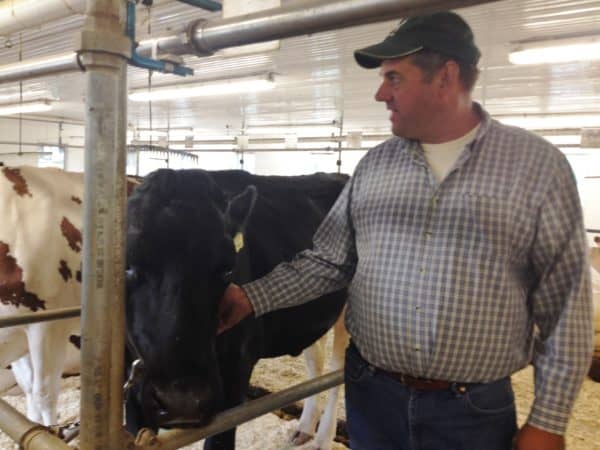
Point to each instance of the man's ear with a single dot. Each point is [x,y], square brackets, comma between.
[449,74]
[239,210]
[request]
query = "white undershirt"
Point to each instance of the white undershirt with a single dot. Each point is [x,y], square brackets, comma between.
[441,157]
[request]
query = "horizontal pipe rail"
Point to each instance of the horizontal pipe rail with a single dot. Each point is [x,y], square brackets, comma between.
[306,17]
[269,140]
[29,435]
[233,417]
[17,15]
[34,144]
[39,68]
[296,19]
[42,316]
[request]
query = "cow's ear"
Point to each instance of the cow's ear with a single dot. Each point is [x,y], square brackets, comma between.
[239,209]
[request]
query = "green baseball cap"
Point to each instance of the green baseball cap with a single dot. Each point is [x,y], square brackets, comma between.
[443,32]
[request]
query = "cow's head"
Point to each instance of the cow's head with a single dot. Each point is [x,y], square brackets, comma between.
[180,251]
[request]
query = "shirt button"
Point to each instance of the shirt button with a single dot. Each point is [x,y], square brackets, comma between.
[417,308]
[416,349]
[422,269]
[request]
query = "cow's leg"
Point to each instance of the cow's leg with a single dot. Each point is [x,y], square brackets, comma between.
[47,347]
[328,423]
[23,372]
[314,357]
[13,345]
[236,378]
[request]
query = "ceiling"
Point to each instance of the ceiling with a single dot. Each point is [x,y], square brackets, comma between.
[317,80]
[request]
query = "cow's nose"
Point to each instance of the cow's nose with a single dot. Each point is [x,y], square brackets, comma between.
[177,405]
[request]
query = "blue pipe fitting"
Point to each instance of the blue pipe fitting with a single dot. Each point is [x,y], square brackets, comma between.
[209,5]
[149,63]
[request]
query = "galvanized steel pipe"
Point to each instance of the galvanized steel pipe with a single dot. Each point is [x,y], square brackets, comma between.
[299,18]
[69,62]
[29,435]
[306,17]
[39,68]
[233,417]
[17,15]
[117,306]
[42,316]
[104,52]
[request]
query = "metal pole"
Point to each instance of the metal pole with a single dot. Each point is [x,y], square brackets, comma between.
[42,316]
[39,67]
[297,19]
[117,369]
[306,17]
[233,417]
[29,435]
[104,52]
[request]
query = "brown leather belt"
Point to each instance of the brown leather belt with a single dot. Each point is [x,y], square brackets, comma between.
[422,384]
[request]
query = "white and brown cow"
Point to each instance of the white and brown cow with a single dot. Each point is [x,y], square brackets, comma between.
[595,275]
[40,269]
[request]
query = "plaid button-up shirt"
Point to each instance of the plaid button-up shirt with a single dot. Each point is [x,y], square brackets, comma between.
[466,280]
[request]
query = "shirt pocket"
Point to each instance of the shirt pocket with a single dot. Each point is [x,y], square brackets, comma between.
[490,224]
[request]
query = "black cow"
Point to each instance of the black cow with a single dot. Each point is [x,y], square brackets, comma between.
[181,256]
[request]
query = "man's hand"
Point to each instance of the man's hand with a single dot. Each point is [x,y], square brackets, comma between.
[233,307]
[532,438]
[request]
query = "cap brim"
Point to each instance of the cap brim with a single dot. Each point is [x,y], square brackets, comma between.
[372,57]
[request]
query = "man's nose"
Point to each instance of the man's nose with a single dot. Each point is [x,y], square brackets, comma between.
[382,93]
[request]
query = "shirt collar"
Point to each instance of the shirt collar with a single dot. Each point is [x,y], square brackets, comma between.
[414,150]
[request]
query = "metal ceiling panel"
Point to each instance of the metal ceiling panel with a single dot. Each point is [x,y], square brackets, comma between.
[317,79]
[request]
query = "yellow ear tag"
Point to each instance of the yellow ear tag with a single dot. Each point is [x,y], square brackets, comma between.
[238,242]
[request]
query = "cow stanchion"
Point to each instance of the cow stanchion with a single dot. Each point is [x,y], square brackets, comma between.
[171,440]
[29,435]
[44,316]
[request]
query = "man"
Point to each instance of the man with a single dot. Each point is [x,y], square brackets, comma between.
[462,244]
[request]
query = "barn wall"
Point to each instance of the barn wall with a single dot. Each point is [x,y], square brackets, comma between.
[33,135]
[74,159]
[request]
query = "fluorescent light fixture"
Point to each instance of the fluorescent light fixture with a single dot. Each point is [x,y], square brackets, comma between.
[27,96]
[563,139]
[552,121]
[299,130]
[212,88]
[25,107]
[556,51]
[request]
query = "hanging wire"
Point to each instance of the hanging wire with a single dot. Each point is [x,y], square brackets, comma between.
[20,153]
[168,136]
[341,134]
[243,133]
[150,72]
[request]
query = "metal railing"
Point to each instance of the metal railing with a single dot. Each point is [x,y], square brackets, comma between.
[42,316]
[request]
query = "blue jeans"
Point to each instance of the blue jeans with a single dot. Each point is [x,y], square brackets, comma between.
[384,414]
